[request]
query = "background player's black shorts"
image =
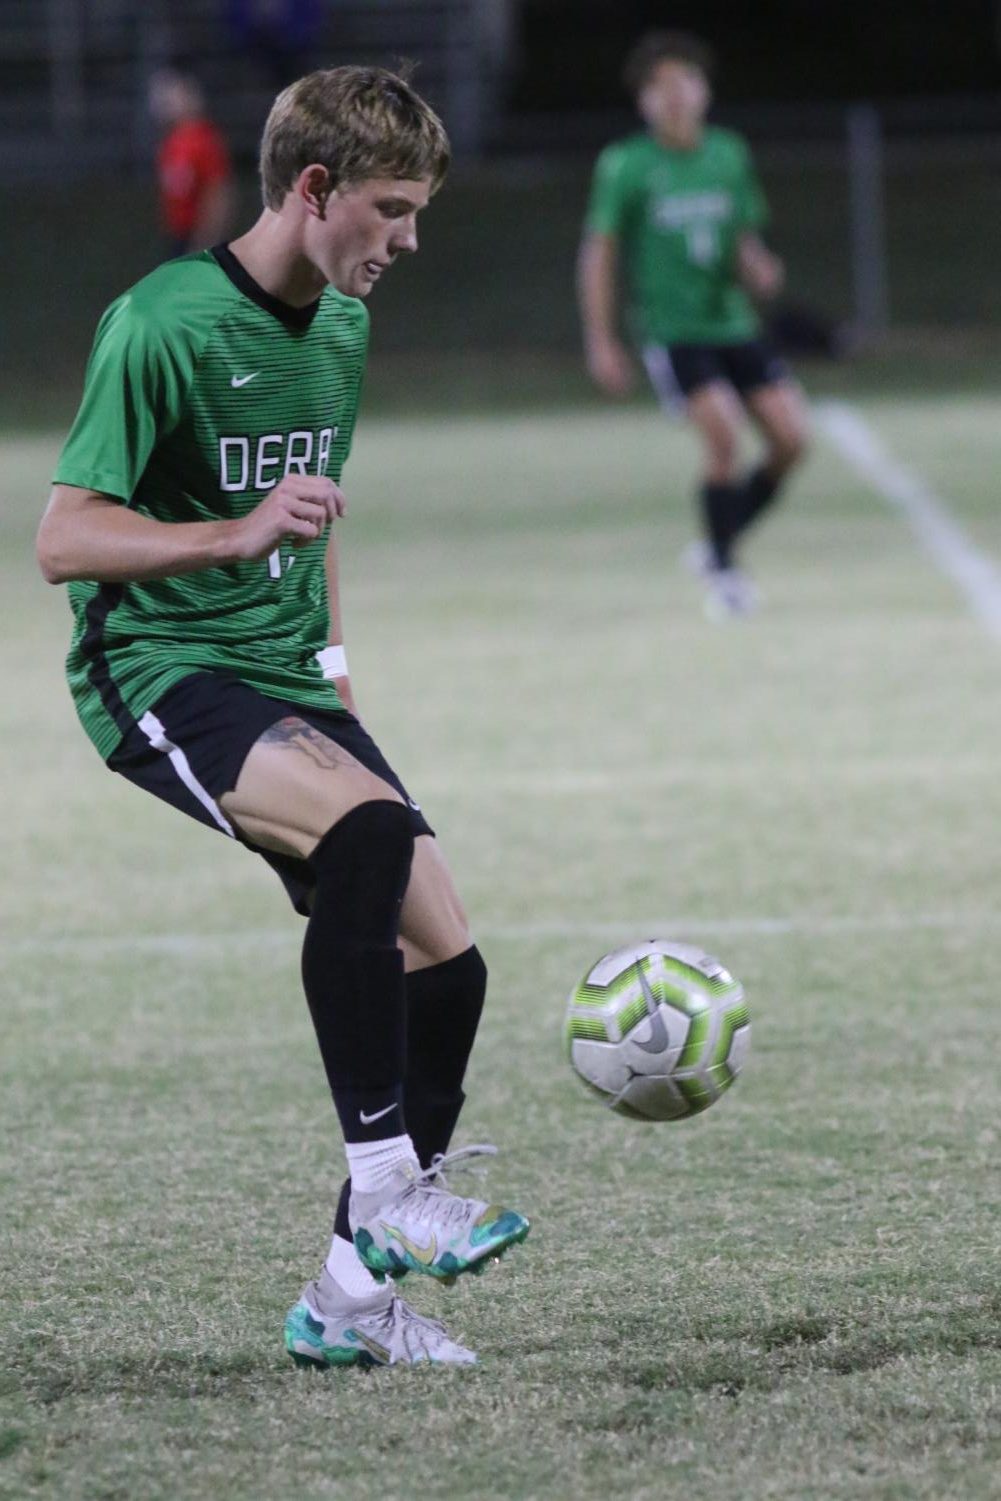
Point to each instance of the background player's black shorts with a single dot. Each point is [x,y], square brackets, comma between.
[189,748]
[677,370]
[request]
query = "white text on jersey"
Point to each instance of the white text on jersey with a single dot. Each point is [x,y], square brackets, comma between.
[259,463]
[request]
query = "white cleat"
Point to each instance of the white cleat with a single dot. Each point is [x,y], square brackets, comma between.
[697,558]
[730,595]
[382,1330]
[416,1224]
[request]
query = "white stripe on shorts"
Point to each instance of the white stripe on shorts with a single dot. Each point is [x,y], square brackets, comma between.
[659,368]
[157,737]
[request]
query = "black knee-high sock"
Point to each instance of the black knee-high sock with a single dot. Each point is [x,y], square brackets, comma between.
[719,507]
[352,969]
[754,496]
[444,1004]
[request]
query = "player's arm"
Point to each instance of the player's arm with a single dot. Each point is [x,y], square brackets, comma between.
[135,391]
[608,209]
[88,535]
[333,659]
[759,269]
[597,294]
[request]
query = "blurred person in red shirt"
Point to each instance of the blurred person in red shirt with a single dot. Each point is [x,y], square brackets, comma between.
[192,164]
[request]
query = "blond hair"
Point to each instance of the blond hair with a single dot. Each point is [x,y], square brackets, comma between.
[356,122]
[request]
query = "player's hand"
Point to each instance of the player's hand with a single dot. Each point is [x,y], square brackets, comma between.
[768,276]
[610,366]
[759,268]
[297,510]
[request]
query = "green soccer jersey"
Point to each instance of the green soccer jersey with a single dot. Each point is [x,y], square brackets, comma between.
[202,392]
[678,216]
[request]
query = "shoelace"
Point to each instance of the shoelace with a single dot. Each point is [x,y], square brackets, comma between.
[431,1182]
[438,1161]
[403,1330]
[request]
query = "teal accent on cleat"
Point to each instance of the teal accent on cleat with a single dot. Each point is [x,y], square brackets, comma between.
[383,1330]
[378,1263]
[507,1226]
[419,1225]
[309,1341]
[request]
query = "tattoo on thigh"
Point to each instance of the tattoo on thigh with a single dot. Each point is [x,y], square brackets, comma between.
[295,734]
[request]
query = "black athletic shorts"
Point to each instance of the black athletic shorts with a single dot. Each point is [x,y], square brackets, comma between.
[677,370]
[189,748]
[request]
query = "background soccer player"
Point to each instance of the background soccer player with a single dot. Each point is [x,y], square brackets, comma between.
[192,164]
[198,486]
[680,206]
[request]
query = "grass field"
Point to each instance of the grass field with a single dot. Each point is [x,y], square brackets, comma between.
[795,1296]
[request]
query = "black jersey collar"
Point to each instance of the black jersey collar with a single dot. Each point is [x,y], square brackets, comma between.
[292,317]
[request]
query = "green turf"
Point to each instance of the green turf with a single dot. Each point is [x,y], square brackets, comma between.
[793,1296]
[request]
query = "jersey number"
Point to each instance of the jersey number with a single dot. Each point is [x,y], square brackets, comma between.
[703,243]
[275,564]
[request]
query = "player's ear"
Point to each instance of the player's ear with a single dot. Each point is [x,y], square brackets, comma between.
[315,188]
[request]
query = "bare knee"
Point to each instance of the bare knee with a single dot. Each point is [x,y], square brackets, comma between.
[716,413]
[787,448]
[721,439]
[781,415]
[722,458]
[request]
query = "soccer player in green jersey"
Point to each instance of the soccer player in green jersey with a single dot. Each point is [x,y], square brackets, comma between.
[680,207]
[192,517]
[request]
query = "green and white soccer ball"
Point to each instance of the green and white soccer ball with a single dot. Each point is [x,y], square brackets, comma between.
[659,1029]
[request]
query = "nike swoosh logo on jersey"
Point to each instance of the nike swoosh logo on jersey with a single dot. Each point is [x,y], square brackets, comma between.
[241,380]
[658,1032]
[422,1254]
[367,1120]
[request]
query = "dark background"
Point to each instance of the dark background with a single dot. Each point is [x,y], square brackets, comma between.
[776,50]
[489,303]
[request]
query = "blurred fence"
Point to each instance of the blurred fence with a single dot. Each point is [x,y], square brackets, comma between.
[886,216]
[498,245]
[73,72]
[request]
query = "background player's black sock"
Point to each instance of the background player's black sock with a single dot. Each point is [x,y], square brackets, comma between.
[754,496]
[719,507]
[352,969]
[444,1004]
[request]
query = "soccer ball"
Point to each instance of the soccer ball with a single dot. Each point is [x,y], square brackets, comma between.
[658,1029]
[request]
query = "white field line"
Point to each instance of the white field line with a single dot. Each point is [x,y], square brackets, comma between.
[253,940]
[944,539]
[533,783]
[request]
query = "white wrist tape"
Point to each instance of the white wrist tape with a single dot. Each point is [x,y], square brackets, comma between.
[333,662]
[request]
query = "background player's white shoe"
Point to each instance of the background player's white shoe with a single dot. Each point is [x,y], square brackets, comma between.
[697,558]
[730,594]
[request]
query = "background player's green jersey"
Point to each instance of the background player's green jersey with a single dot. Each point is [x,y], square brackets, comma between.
[678,216]
[202,392]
